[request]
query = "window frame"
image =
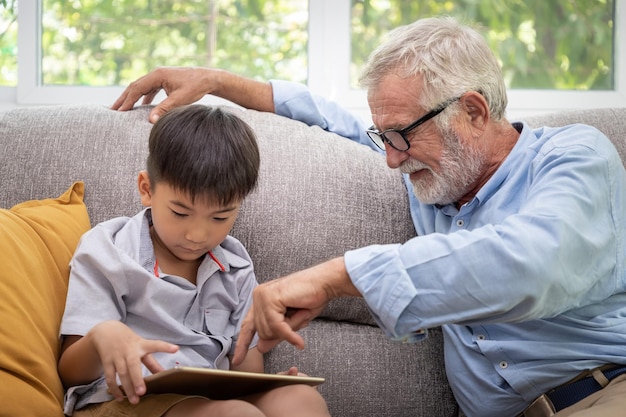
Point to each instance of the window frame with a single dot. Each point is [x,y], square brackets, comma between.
[328,71]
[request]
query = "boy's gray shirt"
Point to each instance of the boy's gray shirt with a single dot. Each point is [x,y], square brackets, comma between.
[112,277]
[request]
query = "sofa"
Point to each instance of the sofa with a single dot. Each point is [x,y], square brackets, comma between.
[65,168]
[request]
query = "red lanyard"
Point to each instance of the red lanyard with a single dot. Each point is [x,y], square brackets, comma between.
[156,264]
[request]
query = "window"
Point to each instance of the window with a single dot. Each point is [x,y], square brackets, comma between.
[73,51]
[336,76]
[85,51]
[105,43]
[8,42]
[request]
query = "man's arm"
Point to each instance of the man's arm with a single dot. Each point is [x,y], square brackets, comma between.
[186,85]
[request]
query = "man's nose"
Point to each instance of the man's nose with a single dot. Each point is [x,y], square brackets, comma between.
[395,158]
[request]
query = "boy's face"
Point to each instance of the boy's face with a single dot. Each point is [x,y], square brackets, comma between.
[188,230]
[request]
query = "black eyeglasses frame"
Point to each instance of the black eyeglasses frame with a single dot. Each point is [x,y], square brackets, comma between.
[379,138]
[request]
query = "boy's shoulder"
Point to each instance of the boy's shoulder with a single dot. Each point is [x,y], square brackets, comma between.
[106,228]
[121,232]
[235,253]
[113,226]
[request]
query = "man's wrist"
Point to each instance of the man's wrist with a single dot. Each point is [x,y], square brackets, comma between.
[340,284]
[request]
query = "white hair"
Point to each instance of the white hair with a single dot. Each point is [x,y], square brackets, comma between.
[450,58]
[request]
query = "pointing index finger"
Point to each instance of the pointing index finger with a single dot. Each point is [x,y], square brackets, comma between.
[246,334]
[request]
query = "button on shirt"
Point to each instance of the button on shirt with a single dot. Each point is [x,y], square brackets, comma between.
[113,278]
[527,279]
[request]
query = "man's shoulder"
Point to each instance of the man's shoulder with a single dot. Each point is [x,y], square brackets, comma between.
[568,138]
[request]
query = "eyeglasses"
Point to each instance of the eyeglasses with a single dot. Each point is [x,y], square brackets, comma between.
[396,138]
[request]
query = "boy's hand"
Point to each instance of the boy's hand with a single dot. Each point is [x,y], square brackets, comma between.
[293,371]
[122,352]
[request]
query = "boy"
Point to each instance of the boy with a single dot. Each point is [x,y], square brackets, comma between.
[170,274]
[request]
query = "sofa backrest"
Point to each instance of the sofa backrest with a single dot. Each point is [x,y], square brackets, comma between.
[318,196]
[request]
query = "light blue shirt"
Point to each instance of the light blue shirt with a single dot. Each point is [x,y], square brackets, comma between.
[527,279]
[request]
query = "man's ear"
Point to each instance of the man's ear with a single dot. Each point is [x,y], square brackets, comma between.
[477,110]
[145,190]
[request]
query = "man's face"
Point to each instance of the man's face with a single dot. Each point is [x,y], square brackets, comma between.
[442,166]
[460,166]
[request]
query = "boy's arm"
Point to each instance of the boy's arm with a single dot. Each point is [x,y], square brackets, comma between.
[79,363]
[252,363]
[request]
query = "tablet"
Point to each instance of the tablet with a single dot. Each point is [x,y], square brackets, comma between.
[219,384]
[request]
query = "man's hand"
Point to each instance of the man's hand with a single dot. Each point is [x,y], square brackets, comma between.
[183,85]
[283,306]
[186,85]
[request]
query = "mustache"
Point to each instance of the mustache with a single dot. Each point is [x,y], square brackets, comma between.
[412,165]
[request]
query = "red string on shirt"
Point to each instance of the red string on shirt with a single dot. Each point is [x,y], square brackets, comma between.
[156,264]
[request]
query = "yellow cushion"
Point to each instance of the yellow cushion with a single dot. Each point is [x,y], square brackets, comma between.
[37,240]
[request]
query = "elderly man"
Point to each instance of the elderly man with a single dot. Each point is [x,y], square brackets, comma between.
[521,247]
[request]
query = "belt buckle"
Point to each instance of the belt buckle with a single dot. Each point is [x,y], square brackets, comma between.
[541,407]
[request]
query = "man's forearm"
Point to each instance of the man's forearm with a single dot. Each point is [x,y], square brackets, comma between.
[245,92]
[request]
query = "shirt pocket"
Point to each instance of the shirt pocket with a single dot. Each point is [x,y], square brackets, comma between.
[217,322]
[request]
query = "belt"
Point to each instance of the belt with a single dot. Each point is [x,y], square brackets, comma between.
[571,392]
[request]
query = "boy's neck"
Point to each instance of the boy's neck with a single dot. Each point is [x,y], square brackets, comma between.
[170,264]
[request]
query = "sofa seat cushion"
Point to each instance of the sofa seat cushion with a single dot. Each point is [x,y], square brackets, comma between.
[37,239]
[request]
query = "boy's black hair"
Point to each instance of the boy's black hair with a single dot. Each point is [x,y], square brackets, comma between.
[206,152]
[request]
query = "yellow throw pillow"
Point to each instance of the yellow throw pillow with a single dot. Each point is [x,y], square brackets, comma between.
[37,240]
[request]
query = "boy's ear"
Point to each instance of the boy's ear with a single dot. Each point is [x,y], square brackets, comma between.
[145,190]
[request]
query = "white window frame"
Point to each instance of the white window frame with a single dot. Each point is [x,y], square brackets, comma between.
[328,72]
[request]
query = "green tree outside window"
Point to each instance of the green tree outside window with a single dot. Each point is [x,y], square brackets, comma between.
[561,44]
[104,42]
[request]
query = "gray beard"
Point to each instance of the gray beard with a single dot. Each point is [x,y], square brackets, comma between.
[461,167]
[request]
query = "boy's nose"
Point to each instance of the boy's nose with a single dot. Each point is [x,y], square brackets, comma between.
[196,235]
